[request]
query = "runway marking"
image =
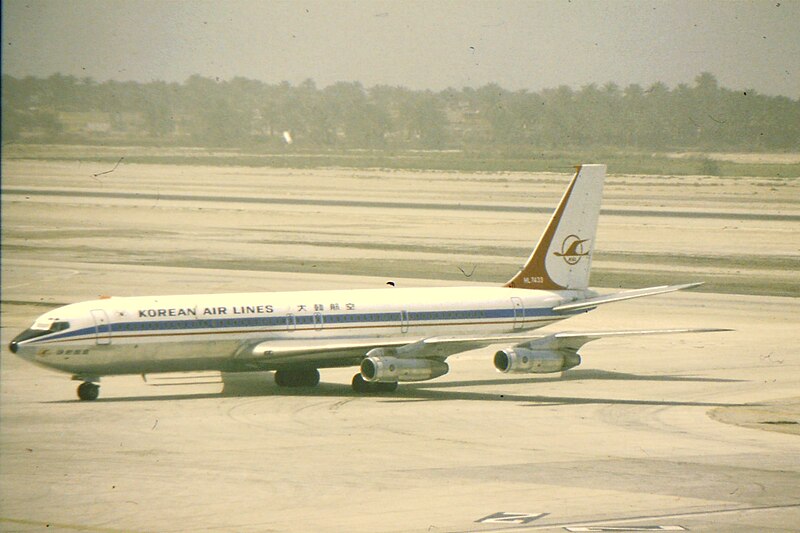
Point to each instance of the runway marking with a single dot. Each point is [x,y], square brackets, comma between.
[625,528]
[599,523]
[510,518]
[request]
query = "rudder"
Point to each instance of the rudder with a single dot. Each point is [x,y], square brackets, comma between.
[563,257]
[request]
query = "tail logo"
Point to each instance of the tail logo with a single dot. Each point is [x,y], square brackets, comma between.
[572,249]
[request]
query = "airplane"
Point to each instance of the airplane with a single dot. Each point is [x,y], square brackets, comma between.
[391,334]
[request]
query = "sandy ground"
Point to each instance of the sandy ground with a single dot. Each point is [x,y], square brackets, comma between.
[336,221]
[697,432]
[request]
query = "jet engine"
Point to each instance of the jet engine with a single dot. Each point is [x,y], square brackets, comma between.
[520,360]
[391,369]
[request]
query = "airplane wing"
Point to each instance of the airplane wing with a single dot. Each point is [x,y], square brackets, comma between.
[591,303]
[572,340]
[334,353]
[575,340]
[351,352]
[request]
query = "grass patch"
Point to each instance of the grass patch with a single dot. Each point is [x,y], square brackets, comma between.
[510,160]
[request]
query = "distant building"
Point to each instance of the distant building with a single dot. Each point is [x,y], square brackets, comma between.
[77,122]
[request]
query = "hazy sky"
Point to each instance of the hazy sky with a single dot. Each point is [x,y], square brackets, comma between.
[428,44]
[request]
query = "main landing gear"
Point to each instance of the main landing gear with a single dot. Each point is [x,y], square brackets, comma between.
[302,377]
[362,385]
[88,391]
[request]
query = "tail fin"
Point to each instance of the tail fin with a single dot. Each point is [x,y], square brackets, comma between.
[563,257]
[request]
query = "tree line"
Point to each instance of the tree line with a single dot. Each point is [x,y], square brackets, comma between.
[250,114]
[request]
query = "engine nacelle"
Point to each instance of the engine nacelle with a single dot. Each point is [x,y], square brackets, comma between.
[391,369]
[518,360]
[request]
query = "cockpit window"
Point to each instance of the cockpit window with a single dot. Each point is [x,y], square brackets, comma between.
[49,326]
[41,328]
[58,326]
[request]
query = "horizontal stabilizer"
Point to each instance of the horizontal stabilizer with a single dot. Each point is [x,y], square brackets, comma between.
[591,303]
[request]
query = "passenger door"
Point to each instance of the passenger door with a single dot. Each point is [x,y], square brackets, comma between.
[404,321]
[102,327]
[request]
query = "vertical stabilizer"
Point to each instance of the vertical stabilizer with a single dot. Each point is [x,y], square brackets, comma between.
[563,257]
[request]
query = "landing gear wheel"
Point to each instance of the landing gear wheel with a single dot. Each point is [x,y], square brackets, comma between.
[359,385]
[311,377]
[88,391]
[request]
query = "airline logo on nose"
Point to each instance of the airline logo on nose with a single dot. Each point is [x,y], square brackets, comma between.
[572,249]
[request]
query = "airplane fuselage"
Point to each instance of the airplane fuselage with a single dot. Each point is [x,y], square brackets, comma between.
[135,335]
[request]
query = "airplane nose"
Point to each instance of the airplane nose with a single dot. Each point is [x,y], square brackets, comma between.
[28,334]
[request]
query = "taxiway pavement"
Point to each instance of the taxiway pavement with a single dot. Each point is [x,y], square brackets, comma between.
[698,432]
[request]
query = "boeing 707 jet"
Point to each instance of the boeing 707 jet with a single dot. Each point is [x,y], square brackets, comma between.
[391,334]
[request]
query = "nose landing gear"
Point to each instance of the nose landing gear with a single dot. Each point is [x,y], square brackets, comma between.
[88,391]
